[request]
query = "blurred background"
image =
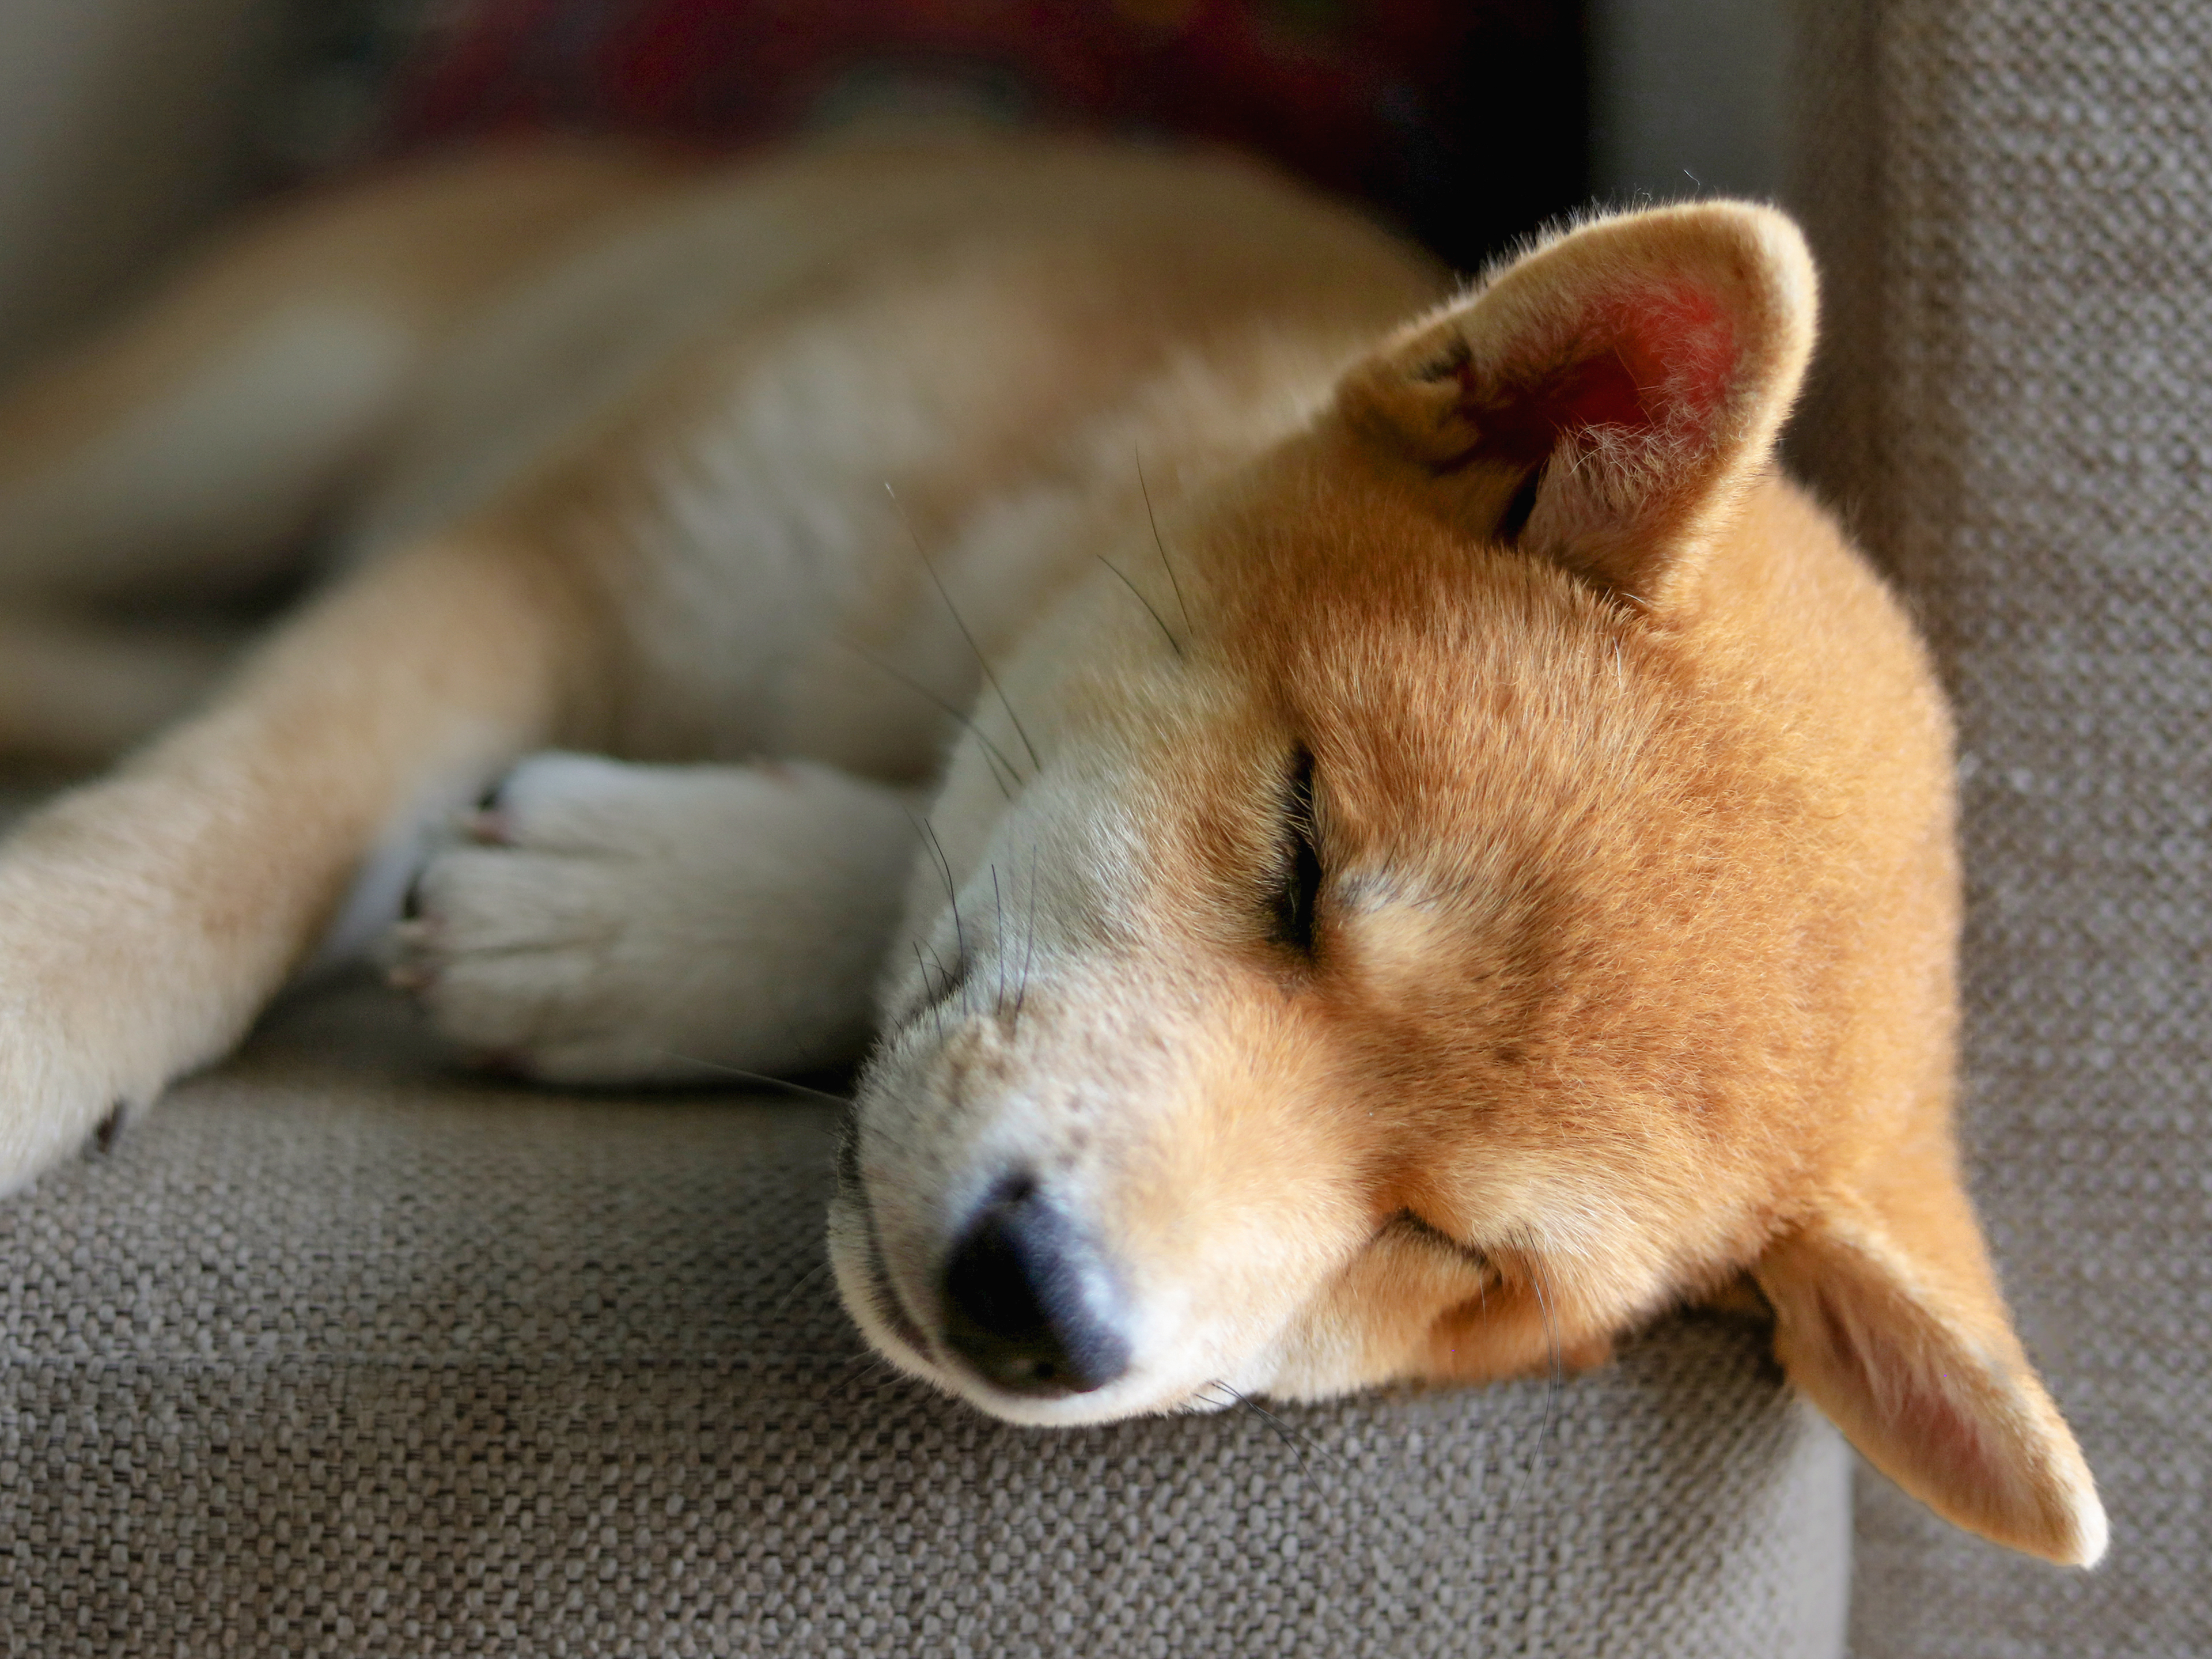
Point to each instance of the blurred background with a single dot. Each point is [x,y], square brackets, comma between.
[125,125]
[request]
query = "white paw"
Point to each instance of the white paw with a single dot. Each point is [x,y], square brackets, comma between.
[58,1092]
[610,923]
[102,1000]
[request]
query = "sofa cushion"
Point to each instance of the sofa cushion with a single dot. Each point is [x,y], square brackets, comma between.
[2011,199]
[338,1354]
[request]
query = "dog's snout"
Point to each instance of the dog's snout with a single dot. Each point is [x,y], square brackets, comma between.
[1022,1299]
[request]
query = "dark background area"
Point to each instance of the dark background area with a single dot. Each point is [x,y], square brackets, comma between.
[1466,120]
[127,127]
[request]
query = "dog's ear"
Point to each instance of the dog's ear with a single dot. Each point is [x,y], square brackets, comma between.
[1887,1316]
[1605,399]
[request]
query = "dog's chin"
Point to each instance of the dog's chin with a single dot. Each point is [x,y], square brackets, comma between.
[864,1285]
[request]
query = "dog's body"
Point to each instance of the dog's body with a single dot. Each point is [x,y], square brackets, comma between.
[1450,855]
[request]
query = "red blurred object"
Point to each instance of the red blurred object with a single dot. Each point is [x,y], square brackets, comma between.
[1375,99]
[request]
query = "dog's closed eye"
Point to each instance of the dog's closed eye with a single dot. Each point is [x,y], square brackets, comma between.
[1518,511]
[1297,889]
[1407,1223]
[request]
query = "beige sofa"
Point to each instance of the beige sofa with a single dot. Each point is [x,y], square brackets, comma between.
[2011,199]
[338,1355]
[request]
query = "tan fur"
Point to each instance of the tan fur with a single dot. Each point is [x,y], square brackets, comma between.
[1630,969]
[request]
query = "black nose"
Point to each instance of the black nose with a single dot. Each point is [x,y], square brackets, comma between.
[1022,1300]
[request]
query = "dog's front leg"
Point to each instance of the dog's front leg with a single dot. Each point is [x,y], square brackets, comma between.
[146,918]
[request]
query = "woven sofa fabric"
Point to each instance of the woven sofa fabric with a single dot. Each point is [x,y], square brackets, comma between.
[2013,199]
[334,1356]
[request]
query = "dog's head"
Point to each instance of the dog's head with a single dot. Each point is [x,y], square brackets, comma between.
[1456,910]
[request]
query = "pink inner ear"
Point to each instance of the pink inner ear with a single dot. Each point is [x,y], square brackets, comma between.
[1678,339]
[1599,391]
[1917,1399]
[1669,355]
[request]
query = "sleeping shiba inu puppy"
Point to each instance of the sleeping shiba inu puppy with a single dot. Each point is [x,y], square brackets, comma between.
[1446,854]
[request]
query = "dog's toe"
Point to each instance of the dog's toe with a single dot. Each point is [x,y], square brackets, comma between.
[109,1130]
[514,944]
